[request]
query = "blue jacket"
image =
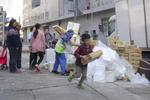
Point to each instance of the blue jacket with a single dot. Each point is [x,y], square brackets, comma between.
[13,38]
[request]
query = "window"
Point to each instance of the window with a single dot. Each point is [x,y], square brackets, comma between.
[111,27]
[35,3]
[105,22]
[94,35]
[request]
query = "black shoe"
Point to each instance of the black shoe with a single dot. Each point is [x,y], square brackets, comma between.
[55,72]
[64,74]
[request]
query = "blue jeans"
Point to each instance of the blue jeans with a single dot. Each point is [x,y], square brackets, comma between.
[60,59]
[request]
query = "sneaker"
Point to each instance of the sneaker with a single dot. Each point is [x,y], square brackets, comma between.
[55,72]
[69,78]
[79,86]
[18,71]
[37,68]
[31,68]
[64,74]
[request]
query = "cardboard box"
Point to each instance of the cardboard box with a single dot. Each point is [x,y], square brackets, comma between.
[92,56]
[74,26]
[131,46]
[127,58]
[93,42]
[129,51]
[137,50]
[59,29]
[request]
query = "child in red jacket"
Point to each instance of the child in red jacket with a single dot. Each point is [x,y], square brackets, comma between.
[80,53]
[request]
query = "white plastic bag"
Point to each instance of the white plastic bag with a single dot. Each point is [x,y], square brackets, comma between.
[70,58]
[110,67]
[108,53]
[99,77]
[50,55]
[90,71]
[96,71]
[110,76]
[138,79]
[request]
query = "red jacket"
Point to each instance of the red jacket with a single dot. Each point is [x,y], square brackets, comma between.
[81,51]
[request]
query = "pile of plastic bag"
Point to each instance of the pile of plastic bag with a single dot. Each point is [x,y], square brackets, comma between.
[111,67]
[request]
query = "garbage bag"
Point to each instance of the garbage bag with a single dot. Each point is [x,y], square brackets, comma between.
[50,55]
[49,58]
[110,67]
[139,79]
[99,77]
[108,53]
[96,71]
[91,70]
[110,76]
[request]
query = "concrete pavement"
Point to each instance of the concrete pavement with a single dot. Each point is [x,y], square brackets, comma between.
[47,86]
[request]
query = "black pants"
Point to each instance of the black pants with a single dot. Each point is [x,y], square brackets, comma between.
[13,53]
[19,56]
[36,58]
[31,60]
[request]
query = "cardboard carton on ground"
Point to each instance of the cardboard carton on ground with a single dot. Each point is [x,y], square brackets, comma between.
[132,46]
[127,58]
[138,55]
[92,56]
[134,58]
[134,62]
[129,50]
[138,50]
[125,54]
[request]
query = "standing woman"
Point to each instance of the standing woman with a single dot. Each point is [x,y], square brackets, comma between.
[18,27]
[37,45]
[13,43]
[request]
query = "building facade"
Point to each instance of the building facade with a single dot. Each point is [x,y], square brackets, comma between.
[93,15]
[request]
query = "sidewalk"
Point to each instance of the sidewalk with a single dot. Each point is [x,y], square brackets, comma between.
[47,86]
[25,48]
[122,90]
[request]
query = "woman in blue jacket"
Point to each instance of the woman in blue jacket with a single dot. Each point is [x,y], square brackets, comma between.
[13,43]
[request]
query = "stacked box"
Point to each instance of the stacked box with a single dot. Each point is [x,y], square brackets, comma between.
[134,56]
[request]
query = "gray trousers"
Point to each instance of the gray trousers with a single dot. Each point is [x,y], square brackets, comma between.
[81,71]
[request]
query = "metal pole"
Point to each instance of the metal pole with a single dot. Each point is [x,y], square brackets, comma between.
[92,15]
[75,9]
[145,19]
[19,19]
[129,21]
[3,15]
